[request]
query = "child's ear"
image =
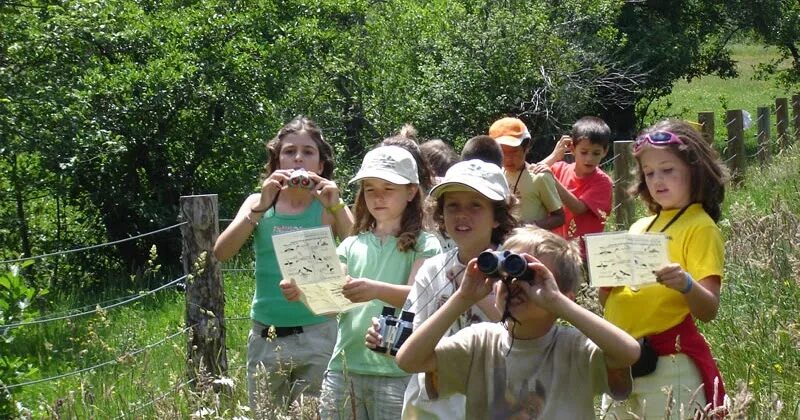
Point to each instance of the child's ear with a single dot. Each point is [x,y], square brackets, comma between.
[605,152]
[412,192]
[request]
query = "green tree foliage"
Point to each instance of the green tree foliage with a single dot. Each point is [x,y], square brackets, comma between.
[775,23]
[110,110]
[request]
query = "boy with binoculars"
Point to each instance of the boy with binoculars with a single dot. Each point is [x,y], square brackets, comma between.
[527,366]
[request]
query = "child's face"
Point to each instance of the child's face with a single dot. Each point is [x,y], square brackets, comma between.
[513,157]
[299,150]
[667,177]
[520,306]
[469,219]
[587,156]
[386,201]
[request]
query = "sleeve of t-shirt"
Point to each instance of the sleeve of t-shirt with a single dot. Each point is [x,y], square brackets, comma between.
[343,249]
[454,357]
[597,370]
[598,197]
[705,254]
[420,294]
[545,187]
[430,245]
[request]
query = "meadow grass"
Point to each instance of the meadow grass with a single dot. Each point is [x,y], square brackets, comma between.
[756,336]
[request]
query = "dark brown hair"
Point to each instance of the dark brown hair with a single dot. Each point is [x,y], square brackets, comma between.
[410,225]
[439,155]
[504,214]
[300,124]
[593,129]
[708,174]
[483,148]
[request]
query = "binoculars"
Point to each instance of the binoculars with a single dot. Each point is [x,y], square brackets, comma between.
[394,331]
[504,265]
[300,179]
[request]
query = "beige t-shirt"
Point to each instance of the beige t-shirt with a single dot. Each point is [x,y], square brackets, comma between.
[552,377]
[537,194]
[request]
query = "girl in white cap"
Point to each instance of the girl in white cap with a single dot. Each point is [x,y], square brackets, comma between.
[387,247]
[473,206]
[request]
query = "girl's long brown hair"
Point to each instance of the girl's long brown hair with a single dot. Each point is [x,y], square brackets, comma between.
[410,225]
[299,124]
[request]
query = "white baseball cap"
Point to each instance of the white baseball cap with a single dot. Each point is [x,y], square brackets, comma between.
[389,163]
[476,175]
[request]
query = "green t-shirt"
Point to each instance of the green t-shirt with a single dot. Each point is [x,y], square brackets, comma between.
[269,305]
[365,256]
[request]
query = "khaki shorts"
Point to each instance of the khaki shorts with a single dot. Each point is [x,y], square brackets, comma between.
[281,368]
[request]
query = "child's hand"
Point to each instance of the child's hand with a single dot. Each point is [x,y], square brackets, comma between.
[543,290]
[271,186]
[562,147]
[326,191]
[290,290]
[359,290]
[373,338]
[474,285]
[672,276]
[539,168]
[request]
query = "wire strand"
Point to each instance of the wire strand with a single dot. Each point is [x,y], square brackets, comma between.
[106,363]
[137,297]
[69,251]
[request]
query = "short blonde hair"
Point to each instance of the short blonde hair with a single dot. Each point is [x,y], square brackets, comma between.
[565,255]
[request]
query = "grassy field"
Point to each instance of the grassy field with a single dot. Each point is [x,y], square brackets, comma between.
[756,336]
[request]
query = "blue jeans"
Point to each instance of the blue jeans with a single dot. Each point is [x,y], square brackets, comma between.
[361,397]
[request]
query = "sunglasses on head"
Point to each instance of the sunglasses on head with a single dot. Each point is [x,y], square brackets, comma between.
[657,138]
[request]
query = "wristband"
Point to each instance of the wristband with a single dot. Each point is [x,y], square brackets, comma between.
[689,284]
[336,207]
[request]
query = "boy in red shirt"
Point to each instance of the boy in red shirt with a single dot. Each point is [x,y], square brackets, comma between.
[583,187]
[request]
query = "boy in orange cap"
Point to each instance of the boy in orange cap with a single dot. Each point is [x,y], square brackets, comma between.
[539,201]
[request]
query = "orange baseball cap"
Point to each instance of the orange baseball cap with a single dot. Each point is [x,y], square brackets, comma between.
[509,131]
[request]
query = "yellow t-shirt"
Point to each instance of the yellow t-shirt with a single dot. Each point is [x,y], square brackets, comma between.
[694,242]
[537,193]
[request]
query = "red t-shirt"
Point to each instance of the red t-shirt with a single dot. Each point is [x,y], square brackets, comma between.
[595,190]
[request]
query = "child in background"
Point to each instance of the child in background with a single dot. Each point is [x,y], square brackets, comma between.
[407,139]
[530,367]
[472,205]
[387,247]
[583,187]
[539,201]
[484,148]
[440,156]
[682,181]
[303,342]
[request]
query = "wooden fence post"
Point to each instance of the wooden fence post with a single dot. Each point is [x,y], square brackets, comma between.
[623,202]
[764,148]
[796,113]
[706,119]
[782,116]
[735,147]
[205,302]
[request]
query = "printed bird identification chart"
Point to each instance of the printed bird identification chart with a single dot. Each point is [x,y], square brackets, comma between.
[624,259]
[309,258]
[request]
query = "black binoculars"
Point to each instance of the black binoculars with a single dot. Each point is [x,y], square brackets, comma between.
[504,265]
[394,331]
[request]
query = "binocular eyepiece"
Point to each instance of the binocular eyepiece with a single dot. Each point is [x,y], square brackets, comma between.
[504,264]
[394,331]
[301,179]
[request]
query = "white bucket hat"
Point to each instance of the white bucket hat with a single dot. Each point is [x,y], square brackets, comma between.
[476,175]
[389,163]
